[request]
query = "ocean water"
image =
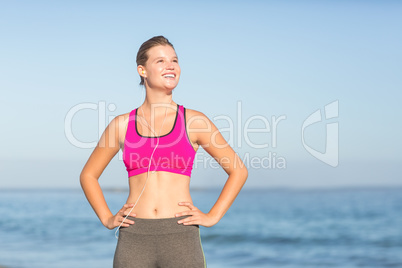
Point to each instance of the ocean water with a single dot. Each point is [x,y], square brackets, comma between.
[263,228]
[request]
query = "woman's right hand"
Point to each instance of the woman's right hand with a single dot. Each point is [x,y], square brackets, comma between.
[116,220]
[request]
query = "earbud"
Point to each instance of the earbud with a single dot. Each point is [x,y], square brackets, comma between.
[143,72]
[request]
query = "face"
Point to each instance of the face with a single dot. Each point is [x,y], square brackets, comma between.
[162,69]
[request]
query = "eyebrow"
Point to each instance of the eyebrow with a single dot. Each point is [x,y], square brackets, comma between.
[175,57]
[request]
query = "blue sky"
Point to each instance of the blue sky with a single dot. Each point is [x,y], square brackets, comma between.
[273,58]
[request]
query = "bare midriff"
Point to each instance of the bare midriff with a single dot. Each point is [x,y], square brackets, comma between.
[163,192]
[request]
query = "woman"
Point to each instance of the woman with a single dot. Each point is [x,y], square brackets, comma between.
[159,225]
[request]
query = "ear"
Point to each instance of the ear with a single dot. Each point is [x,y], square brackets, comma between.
[141,71]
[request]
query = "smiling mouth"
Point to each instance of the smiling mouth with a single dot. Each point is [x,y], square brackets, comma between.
[169,76]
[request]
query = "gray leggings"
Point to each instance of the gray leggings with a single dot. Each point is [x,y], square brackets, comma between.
[159,243]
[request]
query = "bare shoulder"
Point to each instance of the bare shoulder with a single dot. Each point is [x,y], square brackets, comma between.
[196,119]
[202,130]
[123,117]
[120,123]
[192,112]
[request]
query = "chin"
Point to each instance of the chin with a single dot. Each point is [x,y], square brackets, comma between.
[170,87]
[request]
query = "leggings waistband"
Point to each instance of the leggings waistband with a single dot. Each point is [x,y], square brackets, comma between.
[158,226]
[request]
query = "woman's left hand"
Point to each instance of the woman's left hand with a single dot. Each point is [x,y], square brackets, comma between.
[197,218]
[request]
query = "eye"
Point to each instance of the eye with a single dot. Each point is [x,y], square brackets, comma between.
[175,61]
[159,61]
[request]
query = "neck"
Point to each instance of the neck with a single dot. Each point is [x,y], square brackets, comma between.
[157,101]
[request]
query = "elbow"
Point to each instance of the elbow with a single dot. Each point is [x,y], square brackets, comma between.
[84,178]
[87,176]
[244,172]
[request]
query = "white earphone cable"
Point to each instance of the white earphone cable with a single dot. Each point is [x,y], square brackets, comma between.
[149,165]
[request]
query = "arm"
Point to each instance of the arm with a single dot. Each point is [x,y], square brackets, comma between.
[107,147]
[208,136]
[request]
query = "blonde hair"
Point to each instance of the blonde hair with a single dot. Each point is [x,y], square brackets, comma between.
[142,55]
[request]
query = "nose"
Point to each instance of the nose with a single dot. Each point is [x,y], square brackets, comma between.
[170,65]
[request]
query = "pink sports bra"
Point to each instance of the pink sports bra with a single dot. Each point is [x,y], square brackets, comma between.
[173,154]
